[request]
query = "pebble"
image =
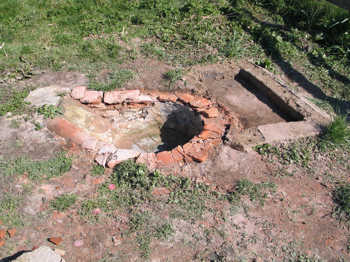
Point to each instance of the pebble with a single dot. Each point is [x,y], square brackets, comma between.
[78,243]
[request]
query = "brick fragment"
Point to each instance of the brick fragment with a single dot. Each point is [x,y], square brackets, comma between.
[2,234]
[149,159]
[165,158]
[92,97]
[184,97]
[78,92]
[198,151]
[55,240]
[165,97]
[211,112]
[206,134]
[118,97]
[200,102]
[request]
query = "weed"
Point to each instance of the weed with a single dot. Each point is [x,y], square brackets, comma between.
[341,197]
[97,170]
[337,133]
[164,231]
[38,170]
[49,111]
[173,75]
[115,80]
[15,103]
[15,123]
[267,64]
[63,202]
[9,210]
[254,191]
[143,240]
[150,49]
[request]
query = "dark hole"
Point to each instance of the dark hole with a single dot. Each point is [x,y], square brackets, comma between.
[181,126]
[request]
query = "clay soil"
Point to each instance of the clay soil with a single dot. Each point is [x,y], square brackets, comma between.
[294,223]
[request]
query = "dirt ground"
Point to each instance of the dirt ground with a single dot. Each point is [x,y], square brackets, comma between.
[294,224]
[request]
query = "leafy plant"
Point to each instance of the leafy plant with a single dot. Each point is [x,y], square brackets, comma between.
[173,75]
[63,202]
[97,170]
[49,111]
[15,103]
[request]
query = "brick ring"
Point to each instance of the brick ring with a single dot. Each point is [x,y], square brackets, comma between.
[215,120]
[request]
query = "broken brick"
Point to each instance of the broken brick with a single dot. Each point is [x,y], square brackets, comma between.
[2,234]
[200,102]
[165,158]
[92,97]
[206,134]
[211,112]
[198,151]
[184,97]
[149,159]
[78,92]
[118,97]
[165,97]
[11,232]
[55,240]
[214,125]
[178,154]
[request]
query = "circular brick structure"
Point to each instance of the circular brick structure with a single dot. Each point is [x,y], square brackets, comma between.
[194,126]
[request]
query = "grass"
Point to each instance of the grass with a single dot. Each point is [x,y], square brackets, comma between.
[115,80]
[15,103]
[97,170]
[341,196]
[255,192]
[9,214]
[49,111]
[173,75]
[63,202]
[337,133]
[39,170]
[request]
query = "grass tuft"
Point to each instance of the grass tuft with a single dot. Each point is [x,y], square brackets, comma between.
[341,196]
[337,133]
[63,202]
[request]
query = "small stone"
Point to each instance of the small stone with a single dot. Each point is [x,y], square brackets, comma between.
[166,97]
[55,240]
[92,97]
[116,240]
[211,112]
[60,252]
[11,232]
[104,153]
[42,254]
[96,211]
[118,97]
[2,234]
[78,243]
[78,92]
[111,187]
[165,158]
[2,242]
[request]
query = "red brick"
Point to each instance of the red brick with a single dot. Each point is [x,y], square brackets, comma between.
[55,240]
[184,97]
[2,234]
[200,102]
[118,97]
[78,92]
[165,158]
[198,151]
[165,97]
[11,232]
[211,112]
[149,159]
[2,242]
[206,134]
[214,125]
[67,130]
[178,154]
[92,97]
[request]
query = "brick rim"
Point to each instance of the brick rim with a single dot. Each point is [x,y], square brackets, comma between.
[215,118]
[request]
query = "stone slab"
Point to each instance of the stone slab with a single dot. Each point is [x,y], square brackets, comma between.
[41,254]
[50,95]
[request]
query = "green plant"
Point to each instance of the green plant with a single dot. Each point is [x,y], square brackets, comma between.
[164,231]
[254,191]
[173,75]
[9,214]
[115,80]
[341,196]
[337,133]
[97,170]
[63,202]
[49,111]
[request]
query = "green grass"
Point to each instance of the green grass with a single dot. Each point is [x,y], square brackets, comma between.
[255,192]
[15,103]
[9,214]
[63,202]
[173,75]
[97,170]
[115,80]
[39,170]
[49,111]
[341,197]
[337,133]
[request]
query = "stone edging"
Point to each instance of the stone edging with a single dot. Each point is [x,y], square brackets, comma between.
[215,119]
